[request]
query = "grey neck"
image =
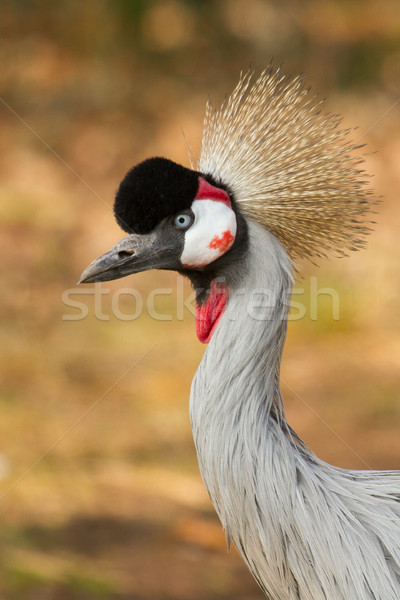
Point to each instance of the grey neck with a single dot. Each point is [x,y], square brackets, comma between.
[245,351]
[236,409]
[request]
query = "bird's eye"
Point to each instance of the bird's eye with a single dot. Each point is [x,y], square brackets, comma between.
[183,221]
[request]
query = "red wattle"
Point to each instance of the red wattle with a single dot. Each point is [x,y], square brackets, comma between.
[209,313]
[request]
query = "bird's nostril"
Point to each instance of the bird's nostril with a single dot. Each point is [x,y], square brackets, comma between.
[125,253]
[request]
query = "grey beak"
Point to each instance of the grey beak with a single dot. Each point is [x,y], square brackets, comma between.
[133,254]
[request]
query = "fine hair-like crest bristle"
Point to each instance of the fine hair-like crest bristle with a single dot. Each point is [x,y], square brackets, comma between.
[290,166]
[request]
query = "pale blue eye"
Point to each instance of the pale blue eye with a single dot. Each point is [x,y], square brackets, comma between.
[183,221]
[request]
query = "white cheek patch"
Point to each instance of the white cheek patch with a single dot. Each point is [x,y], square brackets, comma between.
[211,235]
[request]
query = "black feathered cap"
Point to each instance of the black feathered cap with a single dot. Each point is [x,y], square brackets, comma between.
[156,188]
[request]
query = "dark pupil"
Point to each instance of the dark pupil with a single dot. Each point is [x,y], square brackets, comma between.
[181,220]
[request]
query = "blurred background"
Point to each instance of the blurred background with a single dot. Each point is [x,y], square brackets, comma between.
[101,494]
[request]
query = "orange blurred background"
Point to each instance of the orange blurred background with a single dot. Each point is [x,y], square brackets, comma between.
[102,496]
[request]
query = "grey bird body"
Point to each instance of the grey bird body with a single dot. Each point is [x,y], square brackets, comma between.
[306,529]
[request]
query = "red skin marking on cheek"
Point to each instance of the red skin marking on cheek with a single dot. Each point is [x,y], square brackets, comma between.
[207,191]
[223,242]
[209,313]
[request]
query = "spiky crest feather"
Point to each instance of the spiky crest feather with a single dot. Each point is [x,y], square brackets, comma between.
[289,166]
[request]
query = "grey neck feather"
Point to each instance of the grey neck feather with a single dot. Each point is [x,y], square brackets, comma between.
[307,530]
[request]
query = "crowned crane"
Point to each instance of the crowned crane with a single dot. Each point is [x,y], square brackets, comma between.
[276,180]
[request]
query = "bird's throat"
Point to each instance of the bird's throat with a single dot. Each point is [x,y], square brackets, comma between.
[209,312]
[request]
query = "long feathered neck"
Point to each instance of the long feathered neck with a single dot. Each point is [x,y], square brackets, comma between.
[236,407]
[246,348]
[245,446]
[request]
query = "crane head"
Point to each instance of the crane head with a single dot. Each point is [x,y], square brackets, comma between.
[269,155]
[176,219]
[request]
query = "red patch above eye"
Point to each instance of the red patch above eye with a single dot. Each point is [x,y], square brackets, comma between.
[222,242]
[207,191]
